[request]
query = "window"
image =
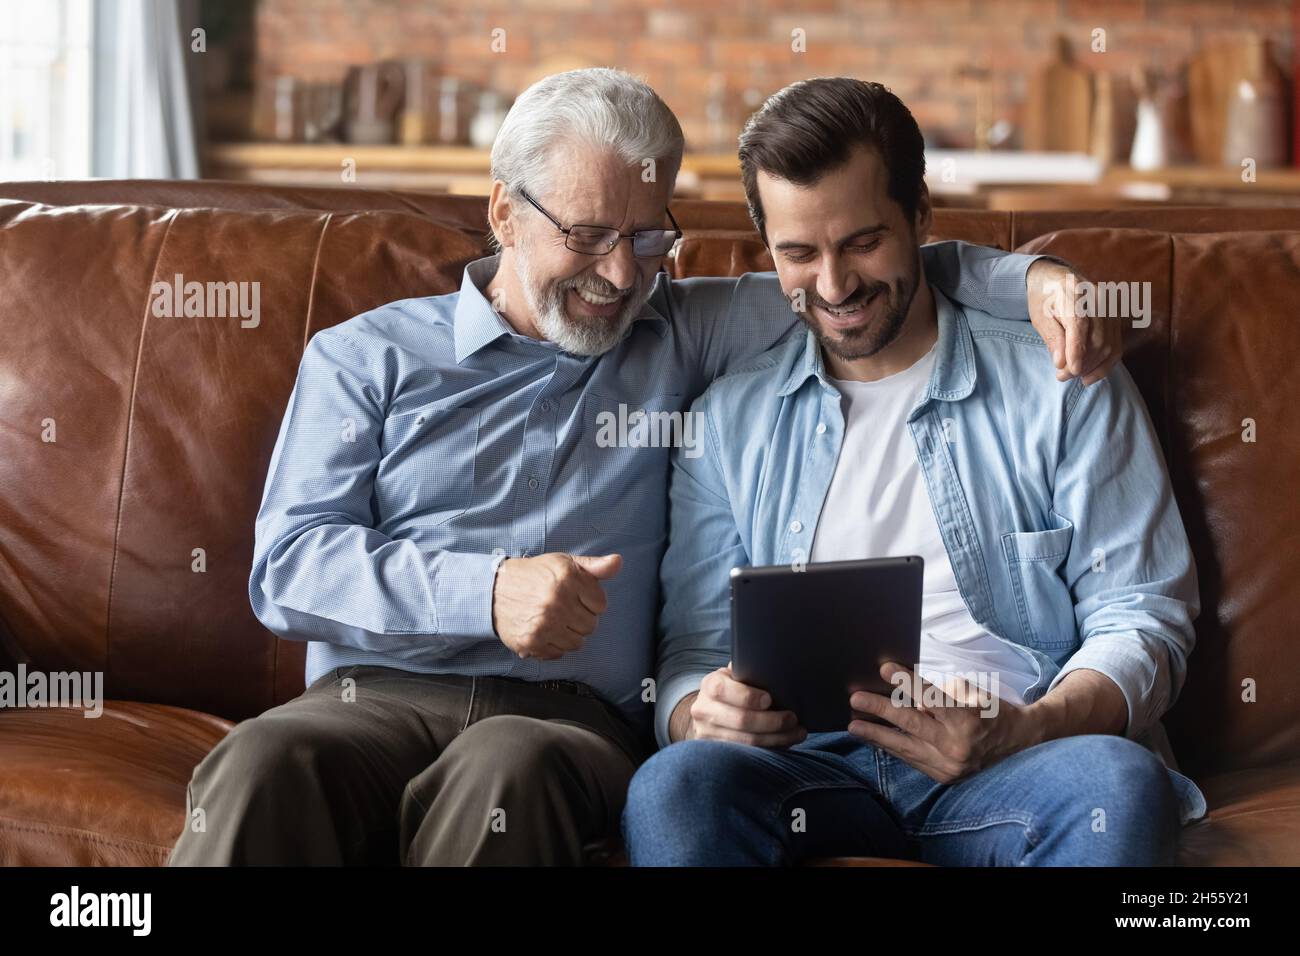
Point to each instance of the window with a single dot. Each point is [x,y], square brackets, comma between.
[45,89]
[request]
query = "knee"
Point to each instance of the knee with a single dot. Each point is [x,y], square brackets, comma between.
[1121,773]
[1121,793]
[698,777]
[261,752]
[699,803]
[508,748]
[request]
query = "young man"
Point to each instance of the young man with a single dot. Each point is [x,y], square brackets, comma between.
[1056,565]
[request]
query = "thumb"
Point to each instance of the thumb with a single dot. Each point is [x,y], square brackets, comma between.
[1050,326]
[602,567]
[1047,313]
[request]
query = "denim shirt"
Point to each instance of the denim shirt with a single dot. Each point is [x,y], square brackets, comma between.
[1052,500]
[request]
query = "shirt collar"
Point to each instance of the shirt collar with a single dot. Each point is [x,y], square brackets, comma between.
[954,372]
[808,364]
[476,324]
[954,369]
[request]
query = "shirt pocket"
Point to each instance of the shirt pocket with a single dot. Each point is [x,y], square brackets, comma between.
[1043,599]
[626,449]
[426,472]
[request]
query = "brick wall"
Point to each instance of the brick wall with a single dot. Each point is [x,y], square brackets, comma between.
[734,53]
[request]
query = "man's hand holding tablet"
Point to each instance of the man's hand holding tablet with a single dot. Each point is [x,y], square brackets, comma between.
[726,709]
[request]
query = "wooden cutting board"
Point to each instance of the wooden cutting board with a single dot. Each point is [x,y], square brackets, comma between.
[1058,110]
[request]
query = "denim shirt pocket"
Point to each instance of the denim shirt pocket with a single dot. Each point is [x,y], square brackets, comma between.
[1043,600]
[429,453]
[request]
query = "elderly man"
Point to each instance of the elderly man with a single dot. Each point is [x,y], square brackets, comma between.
[471,551]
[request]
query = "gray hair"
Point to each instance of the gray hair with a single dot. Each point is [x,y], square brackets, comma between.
[599,107]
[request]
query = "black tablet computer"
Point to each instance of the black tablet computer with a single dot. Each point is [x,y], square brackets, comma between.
[812,635]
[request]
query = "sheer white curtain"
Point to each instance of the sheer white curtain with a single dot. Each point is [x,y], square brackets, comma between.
[144,124]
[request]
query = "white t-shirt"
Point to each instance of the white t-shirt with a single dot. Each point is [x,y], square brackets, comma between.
[878,506]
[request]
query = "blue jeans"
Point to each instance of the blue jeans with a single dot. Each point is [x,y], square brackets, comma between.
[1088,800]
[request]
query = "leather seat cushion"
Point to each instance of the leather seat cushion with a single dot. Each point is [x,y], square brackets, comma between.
[103,791]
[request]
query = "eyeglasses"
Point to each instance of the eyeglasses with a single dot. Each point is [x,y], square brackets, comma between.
[601,240]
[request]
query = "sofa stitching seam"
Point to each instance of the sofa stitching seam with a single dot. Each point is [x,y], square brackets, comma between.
[1221,816]
[8,823]
[126,451]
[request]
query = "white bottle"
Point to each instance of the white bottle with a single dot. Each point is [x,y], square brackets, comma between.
[1149,139]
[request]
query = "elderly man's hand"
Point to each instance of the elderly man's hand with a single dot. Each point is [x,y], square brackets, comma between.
[546,606]
[1082,346]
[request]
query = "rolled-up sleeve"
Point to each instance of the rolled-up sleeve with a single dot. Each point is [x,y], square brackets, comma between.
[1129,566]
[321,570]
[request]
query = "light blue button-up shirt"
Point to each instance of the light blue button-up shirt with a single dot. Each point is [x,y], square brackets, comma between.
[425,441]
[1052,500]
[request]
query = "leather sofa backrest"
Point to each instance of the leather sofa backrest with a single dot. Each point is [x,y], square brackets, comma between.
[165,426]
[1217,367]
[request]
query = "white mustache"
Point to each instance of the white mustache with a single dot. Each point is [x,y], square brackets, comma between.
[607,289]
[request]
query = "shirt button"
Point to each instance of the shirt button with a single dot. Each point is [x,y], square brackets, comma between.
[532,483]
[796,526]
[821,428]
[546,406]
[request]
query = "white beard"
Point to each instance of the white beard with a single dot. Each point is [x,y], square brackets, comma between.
[554,322]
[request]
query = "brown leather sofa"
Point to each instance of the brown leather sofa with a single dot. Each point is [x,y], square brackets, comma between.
[164,428]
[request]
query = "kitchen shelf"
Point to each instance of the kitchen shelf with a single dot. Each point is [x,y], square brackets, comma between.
[457,169]
[995,179]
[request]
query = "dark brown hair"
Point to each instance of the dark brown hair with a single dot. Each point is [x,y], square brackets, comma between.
[812,127]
